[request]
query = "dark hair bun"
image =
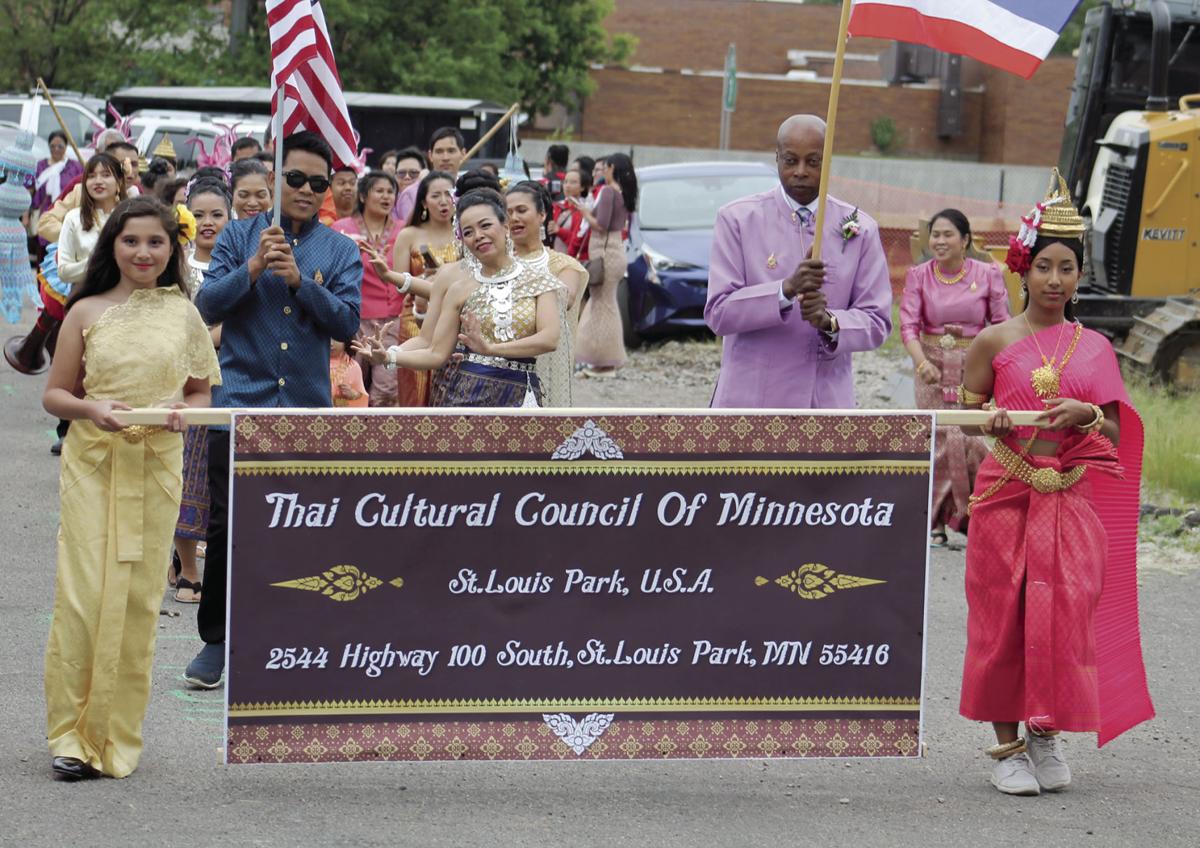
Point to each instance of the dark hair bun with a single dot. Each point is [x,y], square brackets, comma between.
[475,180]
[482,197]
[536,190]
[210,185]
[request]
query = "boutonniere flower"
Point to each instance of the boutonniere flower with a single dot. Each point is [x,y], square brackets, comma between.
[850,226]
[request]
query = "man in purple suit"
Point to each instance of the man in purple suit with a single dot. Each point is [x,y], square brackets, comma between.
[791,322]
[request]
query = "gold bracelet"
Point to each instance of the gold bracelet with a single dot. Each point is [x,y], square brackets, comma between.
[969,398]
[1095,424]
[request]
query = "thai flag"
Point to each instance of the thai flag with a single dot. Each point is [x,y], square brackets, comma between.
[1014,35]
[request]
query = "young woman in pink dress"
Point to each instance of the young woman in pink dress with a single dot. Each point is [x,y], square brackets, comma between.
[1051,581]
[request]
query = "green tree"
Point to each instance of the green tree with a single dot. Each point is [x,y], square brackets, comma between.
[536,51]
[98,45]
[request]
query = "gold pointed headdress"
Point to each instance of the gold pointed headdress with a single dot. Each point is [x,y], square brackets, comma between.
[165,148]
[1056,216]
[1060,218]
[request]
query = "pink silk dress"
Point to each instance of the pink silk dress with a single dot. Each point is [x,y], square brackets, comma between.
[934,312]
[1051,581]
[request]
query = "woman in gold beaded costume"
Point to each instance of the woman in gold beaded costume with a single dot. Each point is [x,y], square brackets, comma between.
[505,318]
[529,206]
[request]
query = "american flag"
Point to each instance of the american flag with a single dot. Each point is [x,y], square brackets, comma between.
[302,62]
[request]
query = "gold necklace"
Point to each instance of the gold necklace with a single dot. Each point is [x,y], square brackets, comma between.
[958,278]
[1045,380]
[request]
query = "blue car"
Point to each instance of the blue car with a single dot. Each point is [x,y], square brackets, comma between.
[667,275]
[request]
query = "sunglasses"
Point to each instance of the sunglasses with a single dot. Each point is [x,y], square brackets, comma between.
[295,179]
[412,175]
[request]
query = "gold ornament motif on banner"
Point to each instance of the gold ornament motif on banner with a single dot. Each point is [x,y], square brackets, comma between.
[814,581]
[340,583]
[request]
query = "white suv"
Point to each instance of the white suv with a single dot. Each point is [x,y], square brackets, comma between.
[33,113]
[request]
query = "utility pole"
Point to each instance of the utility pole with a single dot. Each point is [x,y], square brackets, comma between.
[239,23]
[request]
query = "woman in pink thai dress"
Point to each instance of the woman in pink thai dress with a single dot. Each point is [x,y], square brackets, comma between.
[946,302]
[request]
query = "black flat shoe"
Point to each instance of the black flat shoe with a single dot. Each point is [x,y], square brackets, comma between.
[69,768]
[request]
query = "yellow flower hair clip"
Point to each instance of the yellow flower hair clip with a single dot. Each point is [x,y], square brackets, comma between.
[187,224]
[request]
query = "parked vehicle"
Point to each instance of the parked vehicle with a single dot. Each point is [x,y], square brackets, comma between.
[383,120]
[666,282]
[148,126]
[33,113]
[9,131]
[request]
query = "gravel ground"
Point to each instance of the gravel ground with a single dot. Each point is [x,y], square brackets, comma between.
[682,374]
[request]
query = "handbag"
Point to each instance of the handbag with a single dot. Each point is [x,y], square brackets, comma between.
[595,270]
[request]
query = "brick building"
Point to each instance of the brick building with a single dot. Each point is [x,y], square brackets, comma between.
[670,91]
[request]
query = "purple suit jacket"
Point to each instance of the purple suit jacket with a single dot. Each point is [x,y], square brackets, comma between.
[772,357]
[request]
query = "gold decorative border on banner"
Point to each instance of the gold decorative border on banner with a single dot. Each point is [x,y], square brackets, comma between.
[625,739]
[541,433]
[452,467]
[520,705]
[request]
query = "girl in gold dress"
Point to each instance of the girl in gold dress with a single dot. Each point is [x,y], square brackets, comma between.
[144,344]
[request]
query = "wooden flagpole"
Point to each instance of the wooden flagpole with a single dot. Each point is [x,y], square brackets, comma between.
[70,139]
[835,86]
[278,141]
[488,135]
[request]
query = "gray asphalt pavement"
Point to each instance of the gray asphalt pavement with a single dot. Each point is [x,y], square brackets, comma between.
[1141,789]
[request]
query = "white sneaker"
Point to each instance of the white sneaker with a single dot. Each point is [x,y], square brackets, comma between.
[1014,776]
[1049,764]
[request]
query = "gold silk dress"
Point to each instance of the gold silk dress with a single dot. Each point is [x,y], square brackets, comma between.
[119,497]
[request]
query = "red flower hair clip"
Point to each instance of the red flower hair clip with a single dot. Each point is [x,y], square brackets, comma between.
[1020,257]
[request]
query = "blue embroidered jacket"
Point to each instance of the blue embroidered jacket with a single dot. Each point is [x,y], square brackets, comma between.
[275,339]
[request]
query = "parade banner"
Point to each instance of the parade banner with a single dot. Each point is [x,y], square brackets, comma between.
[539,584]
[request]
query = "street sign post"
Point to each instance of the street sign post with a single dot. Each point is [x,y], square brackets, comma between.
[728,94]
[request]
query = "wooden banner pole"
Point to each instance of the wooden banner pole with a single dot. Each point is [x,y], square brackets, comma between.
[835,86]
[277,139]
[70,139]
[475,148]
[220,416]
